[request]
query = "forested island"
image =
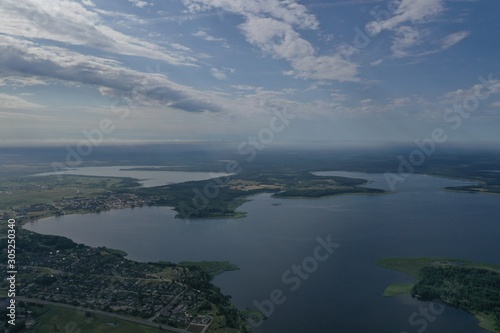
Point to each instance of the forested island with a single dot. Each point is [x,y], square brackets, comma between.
[472,287]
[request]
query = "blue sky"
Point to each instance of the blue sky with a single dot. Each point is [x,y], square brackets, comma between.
[150,70]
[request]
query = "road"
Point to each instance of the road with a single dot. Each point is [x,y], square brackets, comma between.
[104,313]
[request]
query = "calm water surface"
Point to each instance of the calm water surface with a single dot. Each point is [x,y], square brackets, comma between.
[344,294]
[146,178]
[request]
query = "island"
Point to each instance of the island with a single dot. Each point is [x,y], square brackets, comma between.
[473,287]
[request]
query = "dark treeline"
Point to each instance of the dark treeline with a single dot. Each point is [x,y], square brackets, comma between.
[472,289]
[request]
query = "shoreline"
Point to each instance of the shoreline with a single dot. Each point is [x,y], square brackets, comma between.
[158,271]
[412,267]
[240,214]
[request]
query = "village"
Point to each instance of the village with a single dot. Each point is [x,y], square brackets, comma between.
[57,270]
[78,204]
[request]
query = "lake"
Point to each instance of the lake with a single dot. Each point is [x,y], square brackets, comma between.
[343,293]
[147,178]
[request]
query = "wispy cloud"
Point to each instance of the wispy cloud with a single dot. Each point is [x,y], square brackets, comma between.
[406,37]
[24,58]
[445,43]
[289,12]
[453,39]
[411,11]
[11,102]
[407,16]
[243,87]
[139,3]
[496,105]
[221,74]
[69,22]
[271,26]
[88,3]
[204,35]
[21,81]
[459,95]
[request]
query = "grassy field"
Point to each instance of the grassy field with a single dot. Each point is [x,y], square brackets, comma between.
[36,195]
[195,328]
[213,268]
[397,289]
[412,266]
[66,320]
[487,322]
[28,191]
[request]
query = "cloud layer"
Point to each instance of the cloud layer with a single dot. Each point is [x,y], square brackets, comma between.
[24,58]
[69,22]
[218,68]
[271,26]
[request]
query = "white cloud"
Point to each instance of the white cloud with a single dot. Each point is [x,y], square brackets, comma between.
[218,74]
[411,11]
[406,37]
[270,25]
[338,97]
[221,74]
[325,68]
[243,87]
[289,12]
[139,3]
[9,102]
[276,38]
[88,3]
[281,41]
[24,58]
[446,42]
[406,16]
[411,37]
[21,81]
[204,35]
[492,87]
[180,47]
[69,22]
[453,39]
[376,62]
[401,101]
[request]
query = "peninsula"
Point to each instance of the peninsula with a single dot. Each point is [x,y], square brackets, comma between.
[472,287]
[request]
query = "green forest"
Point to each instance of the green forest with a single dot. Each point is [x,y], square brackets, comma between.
[474,290]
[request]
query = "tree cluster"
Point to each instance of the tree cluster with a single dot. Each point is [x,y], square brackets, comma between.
[472,289]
